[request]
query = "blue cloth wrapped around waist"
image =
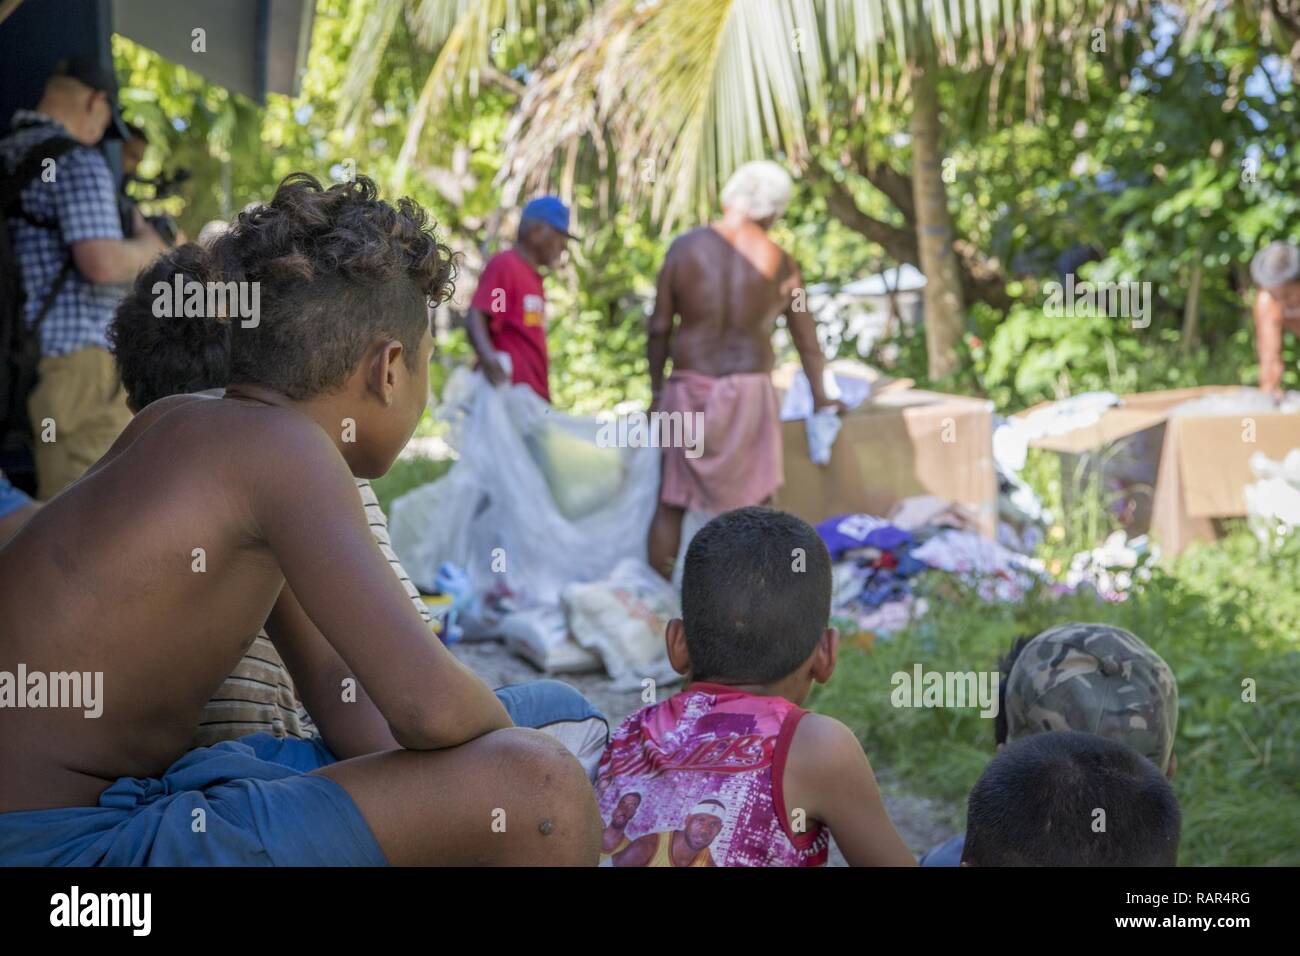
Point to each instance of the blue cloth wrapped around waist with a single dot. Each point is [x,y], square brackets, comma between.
[250,802]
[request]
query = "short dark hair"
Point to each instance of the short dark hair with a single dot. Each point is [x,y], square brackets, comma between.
[337,268]
[157,357]
[756,596]
[1036,805]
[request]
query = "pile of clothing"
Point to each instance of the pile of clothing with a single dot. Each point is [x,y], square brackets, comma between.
[876,560]
[872,567]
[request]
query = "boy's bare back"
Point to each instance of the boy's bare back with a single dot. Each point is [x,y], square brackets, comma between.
[157,592]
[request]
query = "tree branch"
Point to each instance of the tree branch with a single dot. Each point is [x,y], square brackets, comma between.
[898,242]
[982,278]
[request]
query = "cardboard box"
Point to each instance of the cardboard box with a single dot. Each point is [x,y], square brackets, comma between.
[901,442]
[1204,460]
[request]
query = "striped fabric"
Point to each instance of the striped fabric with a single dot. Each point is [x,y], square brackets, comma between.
[259,696]
[379,528]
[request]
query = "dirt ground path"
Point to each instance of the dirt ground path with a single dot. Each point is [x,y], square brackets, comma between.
[921,822]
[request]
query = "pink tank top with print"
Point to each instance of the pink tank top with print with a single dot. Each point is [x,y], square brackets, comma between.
[696,780]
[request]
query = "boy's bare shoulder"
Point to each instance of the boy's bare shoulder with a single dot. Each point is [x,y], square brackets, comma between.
[253,436]
[821,745]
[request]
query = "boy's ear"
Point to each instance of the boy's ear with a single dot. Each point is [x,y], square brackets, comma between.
[675,640]
[825,655]
[382,377]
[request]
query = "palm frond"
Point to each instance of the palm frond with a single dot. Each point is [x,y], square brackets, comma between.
[689,89]
[685,90]
[375,21]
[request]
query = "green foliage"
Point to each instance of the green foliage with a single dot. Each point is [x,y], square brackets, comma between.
[406,475]
[1220,615]
[1033,357]
[1143,158]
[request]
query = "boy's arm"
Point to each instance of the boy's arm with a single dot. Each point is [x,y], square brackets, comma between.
[829,777]
[305,506]
[351,726]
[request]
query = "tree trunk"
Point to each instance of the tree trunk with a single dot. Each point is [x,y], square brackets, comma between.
[1192,310]
[944,306]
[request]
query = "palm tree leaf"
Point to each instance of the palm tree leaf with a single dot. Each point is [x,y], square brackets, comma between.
[689,89]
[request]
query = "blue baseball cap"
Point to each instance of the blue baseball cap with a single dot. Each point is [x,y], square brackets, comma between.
[550,210]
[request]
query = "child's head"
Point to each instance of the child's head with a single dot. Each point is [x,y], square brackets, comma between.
[1071,799]
[756,598]
[161,356]
[1095,678]
[344,281]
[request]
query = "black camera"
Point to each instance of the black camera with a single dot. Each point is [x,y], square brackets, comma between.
[159,187]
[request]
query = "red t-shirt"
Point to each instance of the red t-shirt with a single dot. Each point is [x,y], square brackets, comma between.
[510,294]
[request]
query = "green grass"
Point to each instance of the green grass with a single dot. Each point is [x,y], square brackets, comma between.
[407,473]
[1222,613]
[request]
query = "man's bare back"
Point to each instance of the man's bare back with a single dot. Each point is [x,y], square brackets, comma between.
[728,283]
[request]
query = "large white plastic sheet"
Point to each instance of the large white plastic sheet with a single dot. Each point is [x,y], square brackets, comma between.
[533,502]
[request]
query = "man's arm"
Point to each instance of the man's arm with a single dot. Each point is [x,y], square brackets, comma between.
[829,777]
[85,198]
[491,296]
[803,331]
[476,324]
[1268,342]
[659,327]
[310,515]
[115,261]
[350,728]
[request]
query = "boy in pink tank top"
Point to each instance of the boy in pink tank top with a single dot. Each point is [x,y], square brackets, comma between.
[732,771]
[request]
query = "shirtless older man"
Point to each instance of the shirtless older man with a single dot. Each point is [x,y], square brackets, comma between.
[727,282]
[1276,271]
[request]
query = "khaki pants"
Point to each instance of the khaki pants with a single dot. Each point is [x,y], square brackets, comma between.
[77,410]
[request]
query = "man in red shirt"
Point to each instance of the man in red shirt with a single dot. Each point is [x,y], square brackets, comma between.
[508,311]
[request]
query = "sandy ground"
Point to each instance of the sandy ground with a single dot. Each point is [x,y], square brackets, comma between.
[921,822]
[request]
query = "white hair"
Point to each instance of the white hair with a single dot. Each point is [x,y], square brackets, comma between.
[758,190]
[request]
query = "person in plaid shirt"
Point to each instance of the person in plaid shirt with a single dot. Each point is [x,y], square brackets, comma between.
[69,234]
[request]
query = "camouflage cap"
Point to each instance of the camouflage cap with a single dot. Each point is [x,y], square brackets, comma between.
[1096,679]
